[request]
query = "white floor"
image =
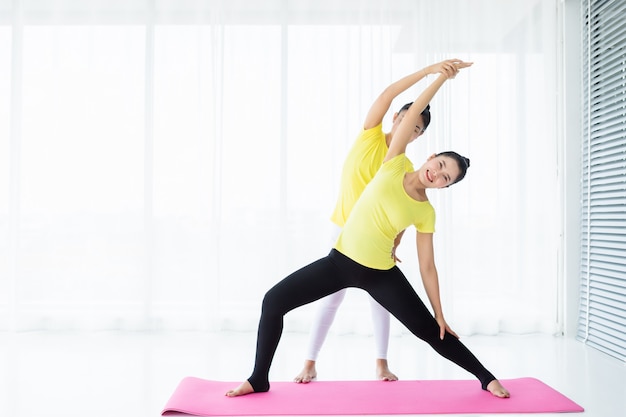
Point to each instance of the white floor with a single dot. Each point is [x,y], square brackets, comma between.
[133,374]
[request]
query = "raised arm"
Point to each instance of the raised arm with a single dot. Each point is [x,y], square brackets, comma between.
[381,105]
[402,137]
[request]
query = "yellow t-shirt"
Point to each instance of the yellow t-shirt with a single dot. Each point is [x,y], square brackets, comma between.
[363,160]
[383,210]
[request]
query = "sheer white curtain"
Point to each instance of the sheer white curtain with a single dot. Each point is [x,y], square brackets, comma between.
[166,162]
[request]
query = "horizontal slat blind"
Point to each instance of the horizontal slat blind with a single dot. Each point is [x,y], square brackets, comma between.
[602,318]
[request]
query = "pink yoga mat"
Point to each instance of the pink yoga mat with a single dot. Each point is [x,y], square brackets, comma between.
[200,397]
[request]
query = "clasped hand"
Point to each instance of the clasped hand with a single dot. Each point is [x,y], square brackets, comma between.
[450,67]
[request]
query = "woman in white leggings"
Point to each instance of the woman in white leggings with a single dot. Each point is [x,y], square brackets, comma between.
[360,166]
[324,318]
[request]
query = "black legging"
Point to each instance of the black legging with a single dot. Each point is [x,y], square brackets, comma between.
[389,288]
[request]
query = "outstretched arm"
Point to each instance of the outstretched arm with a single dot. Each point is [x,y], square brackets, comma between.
[402,137]
[430,279]
[381,105]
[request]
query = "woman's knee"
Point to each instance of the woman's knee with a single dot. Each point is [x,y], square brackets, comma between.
[273,303]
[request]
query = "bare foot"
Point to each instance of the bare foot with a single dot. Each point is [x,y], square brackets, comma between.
[307,374]
[496,389]
[382,371]
[243,389]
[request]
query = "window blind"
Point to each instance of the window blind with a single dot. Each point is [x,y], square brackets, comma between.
[602,319]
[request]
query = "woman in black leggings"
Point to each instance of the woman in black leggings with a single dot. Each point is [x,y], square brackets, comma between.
[363,256]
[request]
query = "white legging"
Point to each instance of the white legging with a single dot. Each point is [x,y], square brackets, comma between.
[326,314]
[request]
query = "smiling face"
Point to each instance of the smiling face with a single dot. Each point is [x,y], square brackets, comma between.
[439,172]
